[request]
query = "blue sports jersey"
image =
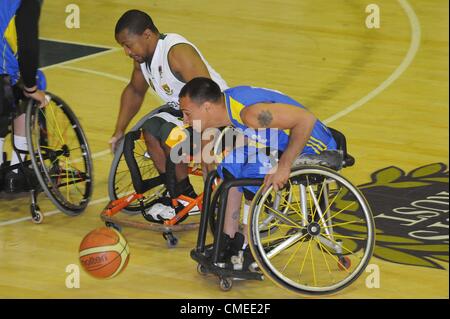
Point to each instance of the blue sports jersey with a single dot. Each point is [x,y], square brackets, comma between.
[9,63]
[239,97]
[8,42]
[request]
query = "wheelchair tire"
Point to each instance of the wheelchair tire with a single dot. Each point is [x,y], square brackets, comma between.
[337,239]
[119,180]
[60,155]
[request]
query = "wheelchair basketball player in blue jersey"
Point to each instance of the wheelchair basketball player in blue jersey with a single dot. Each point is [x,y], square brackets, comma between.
[19,78]
[267,117]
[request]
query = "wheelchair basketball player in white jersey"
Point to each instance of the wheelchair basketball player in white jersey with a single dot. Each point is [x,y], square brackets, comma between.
[164,62]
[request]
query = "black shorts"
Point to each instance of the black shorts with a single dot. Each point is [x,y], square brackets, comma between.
[11,97]
[161,124]
[9,103]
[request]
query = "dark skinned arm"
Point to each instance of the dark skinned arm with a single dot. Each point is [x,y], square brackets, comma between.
[130,103]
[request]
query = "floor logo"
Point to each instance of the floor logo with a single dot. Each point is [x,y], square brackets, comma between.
[411,214]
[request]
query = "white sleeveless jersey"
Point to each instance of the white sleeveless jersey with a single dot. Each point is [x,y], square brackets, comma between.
[159,75]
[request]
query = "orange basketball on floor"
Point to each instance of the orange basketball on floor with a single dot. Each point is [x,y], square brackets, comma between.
[104,253]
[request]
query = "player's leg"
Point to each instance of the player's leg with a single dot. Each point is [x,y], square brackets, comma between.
[176,164]
[243,162]
[175,175]
[151,129]
[15,180]
[4,118]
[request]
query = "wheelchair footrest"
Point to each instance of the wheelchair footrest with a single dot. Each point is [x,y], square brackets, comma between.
[125,222]
[211,268]
[117,205]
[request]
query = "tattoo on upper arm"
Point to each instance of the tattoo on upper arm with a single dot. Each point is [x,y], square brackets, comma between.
[236,214]
[265,118]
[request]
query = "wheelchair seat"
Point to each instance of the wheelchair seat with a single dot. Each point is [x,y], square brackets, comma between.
[334,159]
[341,141]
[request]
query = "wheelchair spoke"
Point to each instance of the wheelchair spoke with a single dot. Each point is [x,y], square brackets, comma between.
[332,256]
[325,259]
[345,248]
[312,196]
[329,206]
[295,252]
[282,217]
[340,240]
[270,240]
[349,237]
[294,210]
[285,244]
[298,199]
[73,179]
[304,259]
[49,107]
[58,142]
[339,212]
[313,266]
[344,223]
[58,130]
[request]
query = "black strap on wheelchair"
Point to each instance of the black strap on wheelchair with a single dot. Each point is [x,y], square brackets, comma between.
[140,186]
[175,188]
[171,178]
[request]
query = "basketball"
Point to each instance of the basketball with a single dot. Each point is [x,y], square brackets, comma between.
[104,253]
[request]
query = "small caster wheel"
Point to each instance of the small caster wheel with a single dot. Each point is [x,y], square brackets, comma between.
[202,270]
[171,240]
[114,226]
[36,215]
[225,284]
[344,263]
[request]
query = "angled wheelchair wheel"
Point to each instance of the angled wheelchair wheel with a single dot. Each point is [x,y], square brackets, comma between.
[60,155]
[120,183]
[322,242]
[119,179]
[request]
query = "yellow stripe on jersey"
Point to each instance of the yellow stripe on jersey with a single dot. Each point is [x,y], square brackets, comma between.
[11,35]
[318,146]
[319,142]
[314,147]
[235,109]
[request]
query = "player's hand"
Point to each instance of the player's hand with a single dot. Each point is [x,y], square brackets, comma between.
[278,177]
[38,96]
[114,141]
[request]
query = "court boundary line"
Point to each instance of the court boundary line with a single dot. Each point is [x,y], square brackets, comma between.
[107,75]
[50,213]
[99,73]
[406,62]
[78,43]
[94,55]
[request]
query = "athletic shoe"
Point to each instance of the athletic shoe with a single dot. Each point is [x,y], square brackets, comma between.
[20,182]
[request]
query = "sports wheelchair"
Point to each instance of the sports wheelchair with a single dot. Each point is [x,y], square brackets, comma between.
[134,186]
[58,154]
[314,237]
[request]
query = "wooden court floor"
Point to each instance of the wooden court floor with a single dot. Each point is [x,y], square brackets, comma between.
[385,88]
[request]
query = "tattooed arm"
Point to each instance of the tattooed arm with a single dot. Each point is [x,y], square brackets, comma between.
[299,121]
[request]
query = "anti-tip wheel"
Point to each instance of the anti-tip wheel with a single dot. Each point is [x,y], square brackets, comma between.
[37,216]
[202,270]
[344,263]
[171,240]
[225,284]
